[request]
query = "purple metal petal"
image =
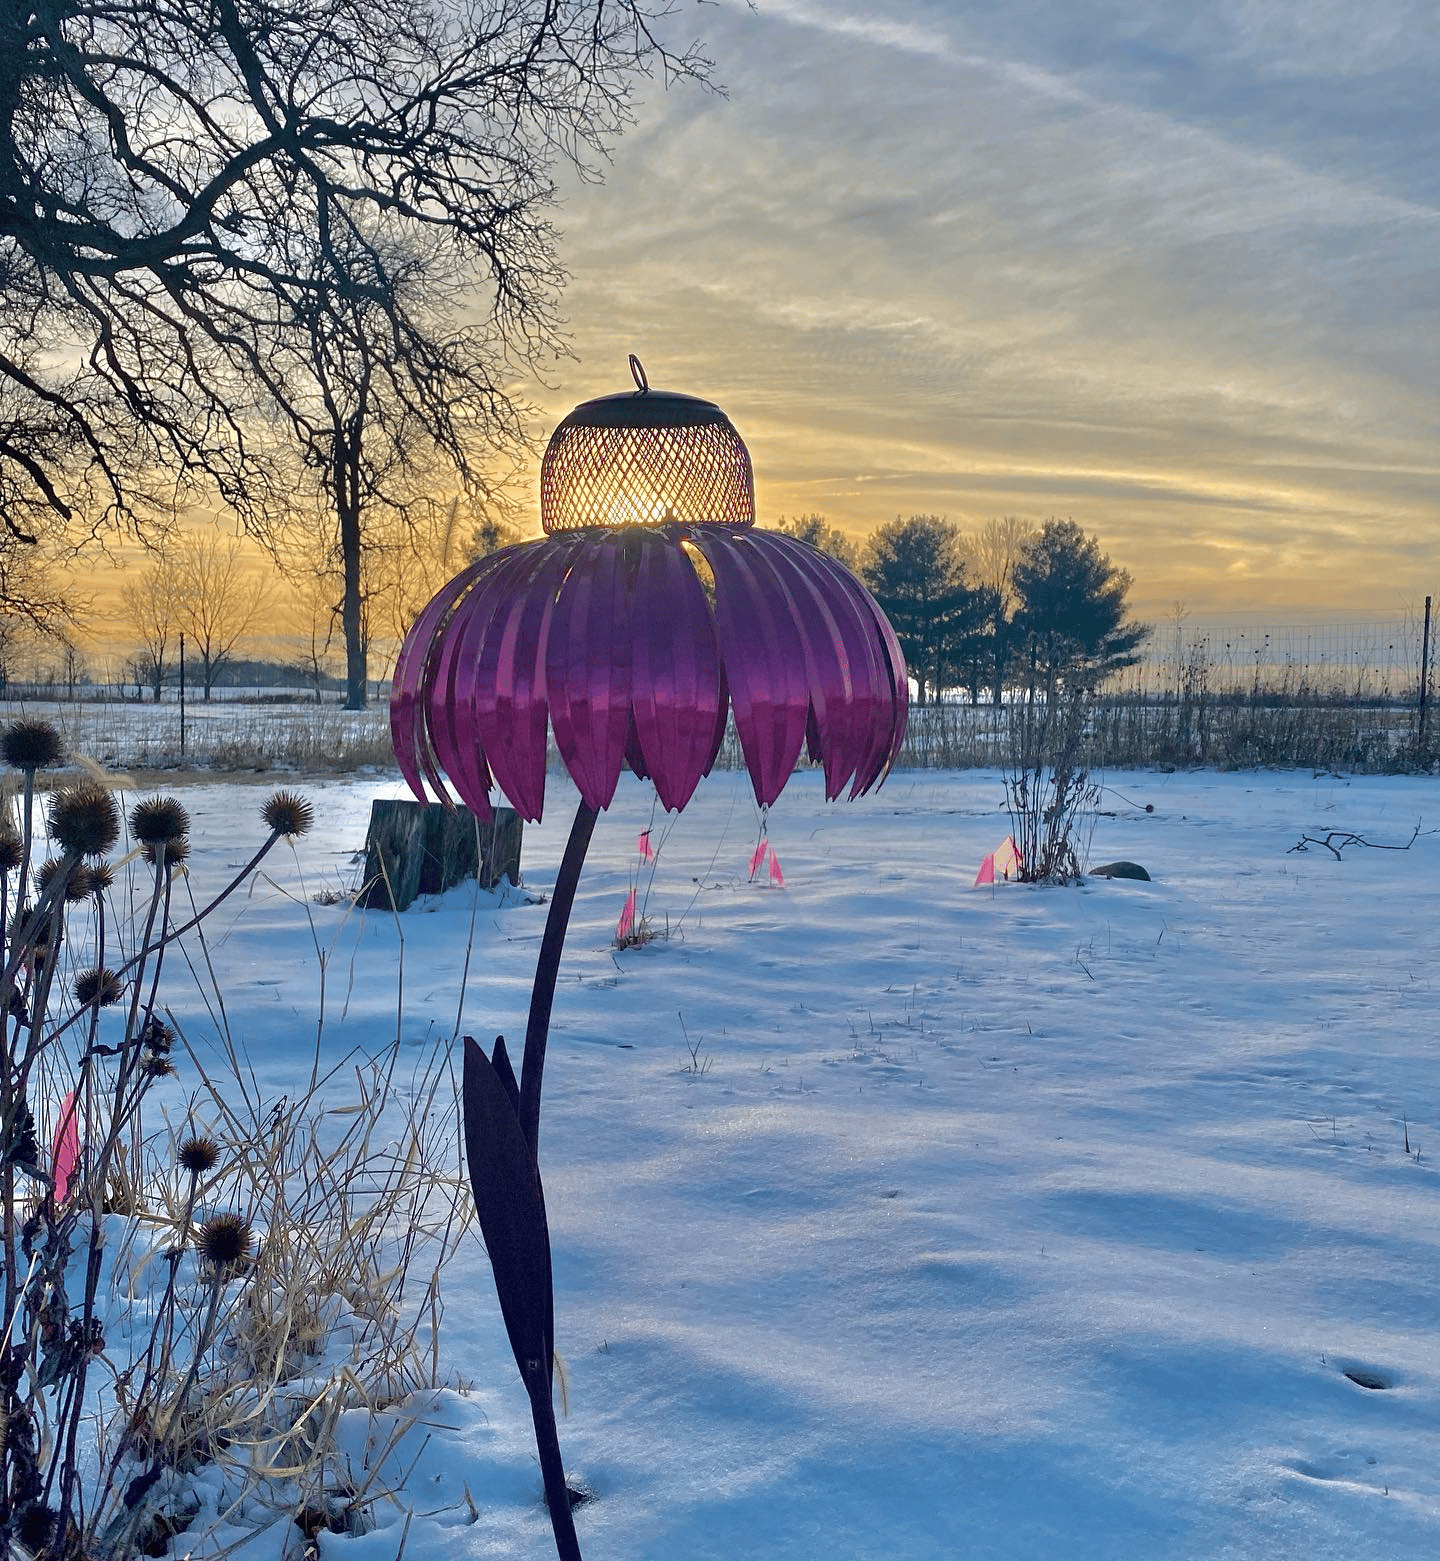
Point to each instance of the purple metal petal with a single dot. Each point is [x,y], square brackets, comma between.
[460,742]
[587,655]
[505,684]
[611,637]
[832,725]
[408,731]
[898,688]
[763,653]
[855,739]
[676,689]
[457,748]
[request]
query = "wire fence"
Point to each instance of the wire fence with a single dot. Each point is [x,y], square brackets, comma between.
[1360,659]
[1352,695]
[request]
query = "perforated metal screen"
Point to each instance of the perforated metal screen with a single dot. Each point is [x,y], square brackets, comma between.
[635,473]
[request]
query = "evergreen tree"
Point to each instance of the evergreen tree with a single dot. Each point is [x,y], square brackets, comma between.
[914,569]
[1070,620]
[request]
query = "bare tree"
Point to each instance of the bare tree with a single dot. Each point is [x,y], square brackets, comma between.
[991,553]
[73,669]
[376,427]
[406,563]
[152,611]
[33,588]
[193,196]
[403,561]
[314,613]
[209,590]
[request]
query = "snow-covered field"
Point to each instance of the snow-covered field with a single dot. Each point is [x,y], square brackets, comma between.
[896,1219]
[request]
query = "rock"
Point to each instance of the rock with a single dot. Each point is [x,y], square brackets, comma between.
[1120,870]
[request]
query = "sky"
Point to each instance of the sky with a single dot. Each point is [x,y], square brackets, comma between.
[1167,270]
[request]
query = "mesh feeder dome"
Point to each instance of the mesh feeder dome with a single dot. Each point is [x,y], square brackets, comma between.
[647,457]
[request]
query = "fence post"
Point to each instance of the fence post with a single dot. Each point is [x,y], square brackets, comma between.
[1424,679]
[182,696]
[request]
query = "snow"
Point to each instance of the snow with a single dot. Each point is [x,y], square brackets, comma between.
[896,1219]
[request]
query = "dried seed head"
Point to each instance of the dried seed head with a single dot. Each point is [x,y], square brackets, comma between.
[100,987]
[156,1036]
[31,745]
[10,850]
[84,820]
[198,1155]
[101,875]
[225,1241]
[80,885]
[21,1147]
[171,851]
[288,813]
[35,1527]
[45,874]
[159,821]
[156,1039]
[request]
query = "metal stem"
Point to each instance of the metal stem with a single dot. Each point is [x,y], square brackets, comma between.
[552,1467]
[547,967]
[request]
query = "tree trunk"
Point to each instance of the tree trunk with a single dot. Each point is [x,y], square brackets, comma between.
[347,512]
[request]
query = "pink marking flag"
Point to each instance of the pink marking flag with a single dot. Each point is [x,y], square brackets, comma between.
[757,856]
[643,846]
[626,925]
[65,1151]
[1005,860]
[776,876]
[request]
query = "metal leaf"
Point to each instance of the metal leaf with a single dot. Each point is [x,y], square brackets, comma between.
[510,1202]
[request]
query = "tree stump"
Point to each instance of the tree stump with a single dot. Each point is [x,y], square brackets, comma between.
[425,848]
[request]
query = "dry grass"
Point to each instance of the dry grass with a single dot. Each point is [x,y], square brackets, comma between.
[229,738]
[356,1203]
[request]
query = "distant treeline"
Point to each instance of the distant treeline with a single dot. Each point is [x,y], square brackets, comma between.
[75,678]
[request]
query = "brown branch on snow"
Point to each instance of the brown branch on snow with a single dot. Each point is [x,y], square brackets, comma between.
[1336,840]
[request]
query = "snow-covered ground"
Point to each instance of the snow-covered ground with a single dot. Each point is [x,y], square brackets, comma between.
[896,1219]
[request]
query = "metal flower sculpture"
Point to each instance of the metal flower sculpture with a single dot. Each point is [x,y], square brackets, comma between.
[650,610]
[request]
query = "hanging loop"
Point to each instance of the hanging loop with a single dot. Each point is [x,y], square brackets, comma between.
[637,370]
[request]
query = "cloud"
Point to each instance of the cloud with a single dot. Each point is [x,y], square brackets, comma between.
[1163,270]
[866,28]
